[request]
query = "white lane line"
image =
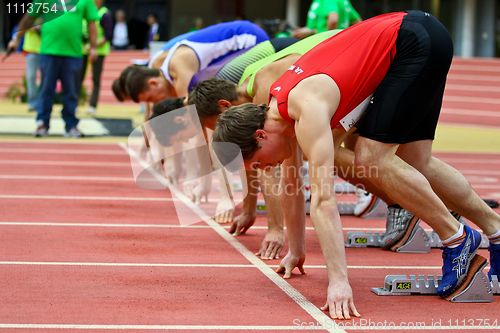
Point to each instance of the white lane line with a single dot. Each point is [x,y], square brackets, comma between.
[69,178]
[307,326]
[479,68]
[472,77]
[75,197]
[23,143]
[66,163]
[293,293]
[450,88]
[108,225]
[412,326]
[480,172]
[232,266]
[469,112]
[159,327]
[159,226]
[61,151]
[452,123]
[470,99]
[494,159]
[486,187]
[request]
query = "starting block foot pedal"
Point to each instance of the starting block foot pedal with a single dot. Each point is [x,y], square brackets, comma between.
[418,242]
[475,289]
[378,210]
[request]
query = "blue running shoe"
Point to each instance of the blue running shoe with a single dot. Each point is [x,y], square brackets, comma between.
[456,262]
[494,260]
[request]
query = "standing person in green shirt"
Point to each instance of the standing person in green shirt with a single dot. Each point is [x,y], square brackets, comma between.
[60,55]
[347,15]
[326,15]
[104,37]
[31,47]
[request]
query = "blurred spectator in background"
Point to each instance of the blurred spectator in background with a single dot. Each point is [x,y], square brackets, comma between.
[197,24]
[104,36]
[60,59]
[154,28]
[326,15]
[120,31]
[347,15]
[19,47]
[31,48]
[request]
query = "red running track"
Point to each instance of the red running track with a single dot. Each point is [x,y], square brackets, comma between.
[81,247]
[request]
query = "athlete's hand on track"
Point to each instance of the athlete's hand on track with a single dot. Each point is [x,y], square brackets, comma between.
[201,190]
[271,245]
[242,223]
[340,302]
[173,177]
[289,262]
[224,211]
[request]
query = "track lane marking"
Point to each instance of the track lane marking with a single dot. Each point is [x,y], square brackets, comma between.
[159,226]
[61,151]
[166,265]
[307,327]
[76,197]
[485,78]
[74,178]
[157,327]
[66,163]
[289,290]
[478,113]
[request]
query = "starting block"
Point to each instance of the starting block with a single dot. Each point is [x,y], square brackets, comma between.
[419,242]
[476,287]
[345,208]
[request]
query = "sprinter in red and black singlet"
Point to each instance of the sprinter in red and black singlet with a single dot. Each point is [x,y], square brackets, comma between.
[395,63]
[386,77]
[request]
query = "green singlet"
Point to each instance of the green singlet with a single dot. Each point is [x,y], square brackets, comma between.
[300,47]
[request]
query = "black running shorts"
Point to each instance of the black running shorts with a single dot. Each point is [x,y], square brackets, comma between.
[405,106]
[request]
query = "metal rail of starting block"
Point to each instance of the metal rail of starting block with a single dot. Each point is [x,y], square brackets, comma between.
[345,208]
[420,242]
[479,289]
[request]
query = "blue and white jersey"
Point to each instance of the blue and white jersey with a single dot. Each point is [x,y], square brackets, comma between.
[171,42]
[213,43]
[168,45]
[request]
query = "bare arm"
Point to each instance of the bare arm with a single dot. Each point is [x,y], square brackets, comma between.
[93,40]
[293,199]
[26,23]
[313,109]
[183,66]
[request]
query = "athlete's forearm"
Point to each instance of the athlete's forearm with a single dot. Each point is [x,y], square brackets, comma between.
[269,184]
[292,200]
[250,201]
[326,220]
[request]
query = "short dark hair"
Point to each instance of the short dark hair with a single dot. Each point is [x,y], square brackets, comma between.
[162,130]
[238,125]
[166,106]
[119,86]
[137,81]
[206,94]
